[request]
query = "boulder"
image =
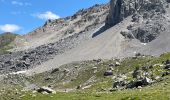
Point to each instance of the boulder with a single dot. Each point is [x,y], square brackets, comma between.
[165,74]
[117,63]
[137,74]
[139,82]
[108,73]
[55,70]
[167,67]
[167,62]
[45,90]
[119,84]
[168,1]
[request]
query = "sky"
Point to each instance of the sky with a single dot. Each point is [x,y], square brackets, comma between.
[23,16]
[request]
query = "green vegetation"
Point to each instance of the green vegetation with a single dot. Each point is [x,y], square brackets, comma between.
[5,40]
[83,74]
[159,91]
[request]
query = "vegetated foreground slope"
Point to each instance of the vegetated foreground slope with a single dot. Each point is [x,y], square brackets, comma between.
[95,79]
[94,41]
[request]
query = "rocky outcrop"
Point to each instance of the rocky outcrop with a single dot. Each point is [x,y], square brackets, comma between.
[120,9]
[142,76]
[147,16]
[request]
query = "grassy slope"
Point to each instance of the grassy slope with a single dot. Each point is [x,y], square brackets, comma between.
[5,40]
[158,91]
[100,89]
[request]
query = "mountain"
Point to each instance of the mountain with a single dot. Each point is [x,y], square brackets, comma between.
[141,27]
[118,51]
[149,23]
[80,24]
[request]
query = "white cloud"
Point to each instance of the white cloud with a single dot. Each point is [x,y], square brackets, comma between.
[21,3]
[47,15]
[9,28]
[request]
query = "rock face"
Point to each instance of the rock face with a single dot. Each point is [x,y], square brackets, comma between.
[120,9]
[147,15]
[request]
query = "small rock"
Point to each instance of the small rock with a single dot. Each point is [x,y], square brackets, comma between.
[55,70]
[165,74]
[167,67]
[111,65]
[94,68]
[157,77]
[108,73]
[167,62]
[79,87]
[139,87]
[117,64]
[111,68]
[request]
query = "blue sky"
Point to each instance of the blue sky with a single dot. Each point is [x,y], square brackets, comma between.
[22,16]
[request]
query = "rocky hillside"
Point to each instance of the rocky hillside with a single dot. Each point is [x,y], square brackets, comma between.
[129,78]
[66,33]
[82,22]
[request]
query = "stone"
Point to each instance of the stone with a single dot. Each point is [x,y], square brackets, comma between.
[111,65]
[167,67]
[66,70]
[79,87]
[119,84]
[167,62]
[111,68]
[139,82]
[108,73]
[147,81]
[46,90]
[168,1]
[135,18]
[137,74]
[117,64]
[165,74]
[55,70]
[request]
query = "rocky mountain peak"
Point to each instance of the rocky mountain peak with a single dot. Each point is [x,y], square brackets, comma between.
[148,17]
[120,9]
